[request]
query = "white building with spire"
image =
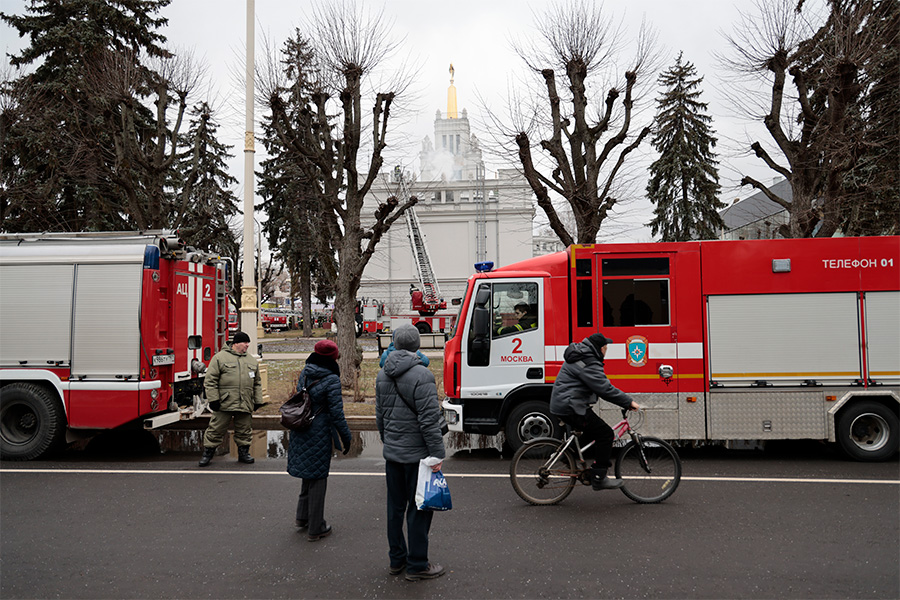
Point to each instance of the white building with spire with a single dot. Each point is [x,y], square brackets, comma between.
[466,214]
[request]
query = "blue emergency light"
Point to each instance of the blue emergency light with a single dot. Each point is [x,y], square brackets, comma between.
[484,267]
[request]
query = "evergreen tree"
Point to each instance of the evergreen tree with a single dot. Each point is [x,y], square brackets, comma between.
[54,129]
[291,191]
[206,204]
[684,181]
[872,185]
[831,81]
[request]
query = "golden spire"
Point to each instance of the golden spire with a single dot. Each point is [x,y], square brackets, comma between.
[451,97]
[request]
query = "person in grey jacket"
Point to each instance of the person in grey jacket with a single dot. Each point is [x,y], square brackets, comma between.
[407,414]
[580,381]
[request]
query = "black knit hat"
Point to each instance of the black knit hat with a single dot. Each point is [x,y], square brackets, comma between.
[598,340]
[240,338]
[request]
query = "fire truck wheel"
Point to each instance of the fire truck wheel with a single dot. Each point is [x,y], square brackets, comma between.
[32,423]
[423,327]
[530,420]
[868,431]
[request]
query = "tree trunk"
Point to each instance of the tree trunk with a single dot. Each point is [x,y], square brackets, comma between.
[306,295]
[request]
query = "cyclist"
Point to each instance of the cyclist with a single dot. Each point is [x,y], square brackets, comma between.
[580,381]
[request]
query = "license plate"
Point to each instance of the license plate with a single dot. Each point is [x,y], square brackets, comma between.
[163,359]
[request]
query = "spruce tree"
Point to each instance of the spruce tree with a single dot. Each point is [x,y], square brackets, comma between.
[58,180]
[289,186]
[206,203]
[684,180]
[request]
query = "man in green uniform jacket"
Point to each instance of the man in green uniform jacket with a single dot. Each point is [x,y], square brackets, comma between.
[234,391]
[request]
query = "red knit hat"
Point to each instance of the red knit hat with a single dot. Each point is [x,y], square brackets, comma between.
[328,349]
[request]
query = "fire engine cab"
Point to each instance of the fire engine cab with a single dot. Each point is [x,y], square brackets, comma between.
[720,340]
[100,330]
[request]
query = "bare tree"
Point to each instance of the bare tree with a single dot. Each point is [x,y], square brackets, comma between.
[145,135]
[816,123]
[577,42]
[349,45]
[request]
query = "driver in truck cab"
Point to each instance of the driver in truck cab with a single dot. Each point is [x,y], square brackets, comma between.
[580,382]
[526,320]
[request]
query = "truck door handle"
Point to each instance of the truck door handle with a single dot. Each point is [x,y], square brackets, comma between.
[534,373]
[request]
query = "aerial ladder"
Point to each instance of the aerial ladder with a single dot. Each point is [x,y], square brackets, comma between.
[427,299]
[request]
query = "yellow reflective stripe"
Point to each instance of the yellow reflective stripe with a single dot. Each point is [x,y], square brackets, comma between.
[677,376]
[807,374]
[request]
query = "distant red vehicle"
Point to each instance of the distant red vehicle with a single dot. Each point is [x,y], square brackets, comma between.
[275,320]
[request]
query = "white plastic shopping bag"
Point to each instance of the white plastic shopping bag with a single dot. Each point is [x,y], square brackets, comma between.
[432,492]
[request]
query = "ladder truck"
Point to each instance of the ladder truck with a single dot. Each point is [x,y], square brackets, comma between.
[425,300]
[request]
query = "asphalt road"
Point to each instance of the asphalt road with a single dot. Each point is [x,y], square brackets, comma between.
[794,522]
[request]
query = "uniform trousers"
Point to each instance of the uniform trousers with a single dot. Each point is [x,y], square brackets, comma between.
[219,423]
[593,428]
[401,505]
[311,504]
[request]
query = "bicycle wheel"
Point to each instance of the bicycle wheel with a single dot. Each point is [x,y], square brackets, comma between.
[658,480]
[540,475]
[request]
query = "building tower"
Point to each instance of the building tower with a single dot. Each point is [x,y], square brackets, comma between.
[451,97]
[466,214]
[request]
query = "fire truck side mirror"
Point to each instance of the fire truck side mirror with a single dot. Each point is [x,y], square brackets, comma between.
[481,322]
[666,371]
[481,315]
[482,296]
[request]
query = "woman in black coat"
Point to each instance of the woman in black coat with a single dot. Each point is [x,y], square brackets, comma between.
[309,453]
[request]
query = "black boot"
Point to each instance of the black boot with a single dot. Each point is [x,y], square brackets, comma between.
[600,481]
[244,455]
[208,454]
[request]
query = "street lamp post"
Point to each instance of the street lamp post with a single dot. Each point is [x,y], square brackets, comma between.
[249,307]
[250,323]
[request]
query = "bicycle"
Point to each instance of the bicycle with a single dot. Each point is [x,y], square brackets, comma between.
[545,470]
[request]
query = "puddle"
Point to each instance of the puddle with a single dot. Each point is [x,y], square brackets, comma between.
[125,444]
[363,444]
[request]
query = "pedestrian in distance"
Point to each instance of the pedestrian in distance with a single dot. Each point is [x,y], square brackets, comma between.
[580,382]
[425,360]
[309,451]
[408,418]
[234,392]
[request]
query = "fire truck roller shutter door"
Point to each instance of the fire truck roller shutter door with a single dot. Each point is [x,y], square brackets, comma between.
[36,314]
[106,337]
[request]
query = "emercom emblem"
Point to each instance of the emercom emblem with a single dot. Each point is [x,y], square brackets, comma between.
[637,348]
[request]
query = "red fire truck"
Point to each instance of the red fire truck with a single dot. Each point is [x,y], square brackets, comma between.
[374,320]
[100,330]
[425,299]
[275,320]
[720,340]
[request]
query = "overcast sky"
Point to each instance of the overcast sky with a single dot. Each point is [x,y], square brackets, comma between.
[475,36]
